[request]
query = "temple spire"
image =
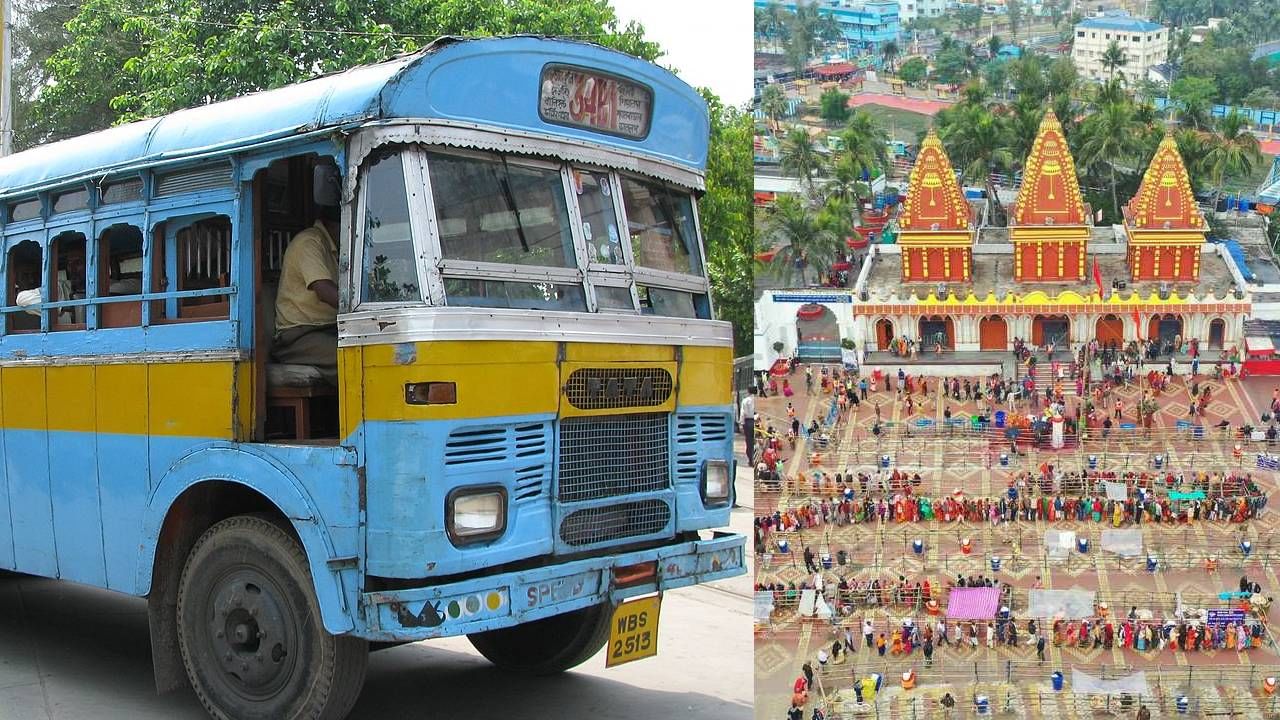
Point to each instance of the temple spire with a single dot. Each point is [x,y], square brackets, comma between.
[1050,192]
[934,200]
[1164,200]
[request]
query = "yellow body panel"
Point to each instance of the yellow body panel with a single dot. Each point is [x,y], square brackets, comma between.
[119,391]
[499,378]
[22,391]
[69,393]
[706,377]
[191,399]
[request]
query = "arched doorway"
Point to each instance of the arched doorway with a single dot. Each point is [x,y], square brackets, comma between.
[817,334]
[937,329]
[1054,329]
[884,333]
[1217,333]
[1164,329]
[1109,330]
[993,333]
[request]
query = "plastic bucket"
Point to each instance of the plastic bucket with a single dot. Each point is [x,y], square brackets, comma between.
[1184,704]
[1056,679]
[1082,544]
[826,561]
[1158,461]
[917,546]
[982,705]
[1151,563]
[966,546]
[1093,462]
[995,563]
[1004,459]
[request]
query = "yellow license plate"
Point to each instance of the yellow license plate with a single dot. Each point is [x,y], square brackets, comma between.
[633,632]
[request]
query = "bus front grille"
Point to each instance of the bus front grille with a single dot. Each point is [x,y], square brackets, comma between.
[612,388]
[614,522]
[603,457]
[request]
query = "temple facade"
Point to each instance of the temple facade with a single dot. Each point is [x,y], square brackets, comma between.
[935,229]
[1050,277]
[1049,224]
[1164,225]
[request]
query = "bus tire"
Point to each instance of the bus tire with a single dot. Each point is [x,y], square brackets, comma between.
[250,632]
[550,645]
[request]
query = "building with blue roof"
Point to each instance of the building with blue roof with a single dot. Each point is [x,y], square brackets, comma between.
[864,26]
[1145,45]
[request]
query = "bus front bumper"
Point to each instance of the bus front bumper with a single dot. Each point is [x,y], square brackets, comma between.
[512,598]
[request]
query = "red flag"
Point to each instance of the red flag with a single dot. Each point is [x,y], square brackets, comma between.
[1097,276]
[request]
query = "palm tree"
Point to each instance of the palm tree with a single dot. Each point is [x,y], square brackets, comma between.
[802,237]
[1109,135]
[974,92]
[1114,58]
[799,157]
[979,142]
[865,151]
[890,52]
[773,102]
[1232,151]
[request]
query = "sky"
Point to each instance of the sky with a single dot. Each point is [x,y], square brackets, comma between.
[707,42]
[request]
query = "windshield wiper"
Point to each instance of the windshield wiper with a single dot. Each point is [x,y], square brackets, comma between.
[511,204]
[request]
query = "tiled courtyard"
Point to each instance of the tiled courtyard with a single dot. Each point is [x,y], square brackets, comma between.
[1217,683]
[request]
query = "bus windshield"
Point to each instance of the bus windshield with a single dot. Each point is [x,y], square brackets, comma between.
[523,233]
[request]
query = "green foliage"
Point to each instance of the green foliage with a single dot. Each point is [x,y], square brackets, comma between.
[726,213]
[969,16]
[799,156]
[951,65]
[804,237]
[1194,96]
[1015,16]
[835,106]
[913,70]
[125,61]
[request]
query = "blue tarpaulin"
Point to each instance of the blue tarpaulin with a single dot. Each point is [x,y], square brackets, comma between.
[1237,254]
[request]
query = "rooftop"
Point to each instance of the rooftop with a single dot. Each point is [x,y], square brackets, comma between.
[993,271]
[1125,23]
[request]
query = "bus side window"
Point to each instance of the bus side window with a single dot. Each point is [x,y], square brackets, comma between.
[70,277]
[120,275]
[198,257]
[23,286]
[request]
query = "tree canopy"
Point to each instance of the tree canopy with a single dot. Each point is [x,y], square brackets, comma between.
[124,61]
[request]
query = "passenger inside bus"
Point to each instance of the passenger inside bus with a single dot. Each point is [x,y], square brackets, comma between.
[70,274]
[307,300]
[24,285]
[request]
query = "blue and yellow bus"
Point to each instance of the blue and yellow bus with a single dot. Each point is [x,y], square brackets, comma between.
[530,431]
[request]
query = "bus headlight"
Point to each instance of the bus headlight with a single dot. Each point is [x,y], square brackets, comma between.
[715,483]
[476,514]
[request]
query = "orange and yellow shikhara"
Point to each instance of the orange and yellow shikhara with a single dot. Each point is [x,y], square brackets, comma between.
[1050,222]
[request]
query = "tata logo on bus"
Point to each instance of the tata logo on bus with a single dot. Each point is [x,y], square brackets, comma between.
[632,389]
[579,97]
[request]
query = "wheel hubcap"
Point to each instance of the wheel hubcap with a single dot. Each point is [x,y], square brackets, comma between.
[252,632]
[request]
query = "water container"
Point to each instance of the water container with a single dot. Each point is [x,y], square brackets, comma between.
[884,461]
[995,563]
[826,561]
[1082,544]
[918,546]
[1158,461]
[1184,704]
[982,705]
[1151,563]
[1056,679]
[1093,462]
[1004,459]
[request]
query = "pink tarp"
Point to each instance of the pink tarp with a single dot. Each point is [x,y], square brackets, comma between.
[973,603]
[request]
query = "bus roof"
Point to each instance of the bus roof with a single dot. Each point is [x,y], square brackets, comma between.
[492,81]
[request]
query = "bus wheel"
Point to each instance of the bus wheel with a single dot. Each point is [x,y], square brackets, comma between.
[250,631]
[550,645]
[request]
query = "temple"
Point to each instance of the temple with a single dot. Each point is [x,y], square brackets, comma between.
[1164,225]
[955,281]
[935,231]
[1049,223]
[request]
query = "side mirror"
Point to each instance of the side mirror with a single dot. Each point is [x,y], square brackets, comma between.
[326,186]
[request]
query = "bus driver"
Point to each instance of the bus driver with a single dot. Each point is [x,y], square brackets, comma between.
[307,302]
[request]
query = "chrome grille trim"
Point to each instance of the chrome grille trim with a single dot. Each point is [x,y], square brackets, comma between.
[603,457]
[617,387]
[614,522]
